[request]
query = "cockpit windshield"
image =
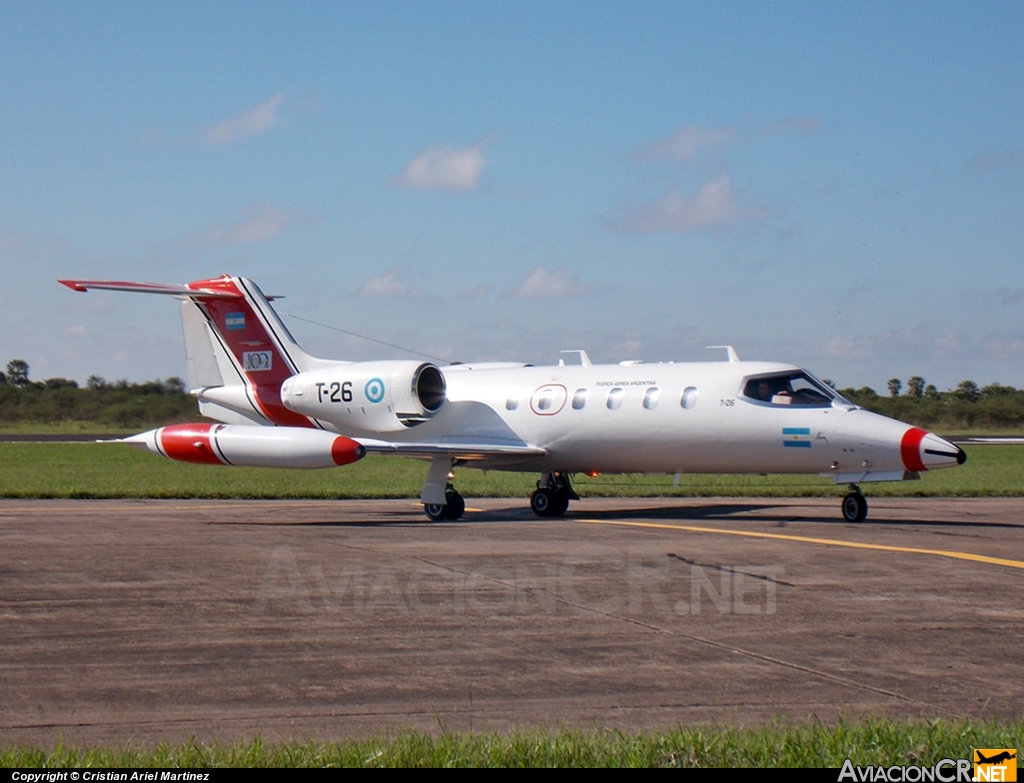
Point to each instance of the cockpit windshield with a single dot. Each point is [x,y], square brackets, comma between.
[796,388]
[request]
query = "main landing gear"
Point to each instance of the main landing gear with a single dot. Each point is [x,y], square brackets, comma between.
[552,496]
[855,507]
[441,501]
[453,507]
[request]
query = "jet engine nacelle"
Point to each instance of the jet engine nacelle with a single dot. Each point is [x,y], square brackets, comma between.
[254,447]
[368,396]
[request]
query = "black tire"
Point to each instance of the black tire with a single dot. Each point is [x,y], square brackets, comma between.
[436,512]
[855,507]
[549,503]
[560,504]
[455,506]
[542,502]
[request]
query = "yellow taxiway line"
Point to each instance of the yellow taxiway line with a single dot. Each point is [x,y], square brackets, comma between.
[809,540]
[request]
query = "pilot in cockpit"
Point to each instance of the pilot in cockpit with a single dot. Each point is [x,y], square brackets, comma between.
[783,393]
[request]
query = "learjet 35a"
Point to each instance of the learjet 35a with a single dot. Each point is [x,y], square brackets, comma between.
[279,407]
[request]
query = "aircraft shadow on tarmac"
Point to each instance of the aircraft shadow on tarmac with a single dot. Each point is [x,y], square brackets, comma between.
[731,512]
[734,512]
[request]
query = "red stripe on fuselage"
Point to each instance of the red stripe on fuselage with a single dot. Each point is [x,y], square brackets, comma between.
[910,449]
[189,443]
[250,337]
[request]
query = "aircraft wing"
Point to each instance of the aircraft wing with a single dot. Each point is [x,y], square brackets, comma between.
[465,450]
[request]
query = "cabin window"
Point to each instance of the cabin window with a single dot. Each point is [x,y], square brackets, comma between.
[651,398]
[511,404]
[549,400]
[615,398]
[795,388]
[579,399]
[689,398]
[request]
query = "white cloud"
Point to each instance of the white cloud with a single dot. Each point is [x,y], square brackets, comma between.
[687,142]
[1009,297]
[554,284]
[444,168]
[478,291]
[987,162]
[714,206]
[918,341]
[847,347]
[790,125]
[691,142]
[14,240]
[387,285]
[256,223]
[248,123]
[792,231]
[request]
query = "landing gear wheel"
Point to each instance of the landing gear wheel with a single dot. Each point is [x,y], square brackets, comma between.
[855,507]
[541,502]
[549,502]
[561,504]
[436,512]
[456,505]
[453,508]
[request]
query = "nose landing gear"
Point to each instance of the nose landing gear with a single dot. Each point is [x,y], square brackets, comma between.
[855,506]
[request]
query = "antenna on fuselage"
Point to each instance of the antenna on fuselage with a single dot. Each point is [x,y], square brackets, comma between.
[584,358]
[729,350]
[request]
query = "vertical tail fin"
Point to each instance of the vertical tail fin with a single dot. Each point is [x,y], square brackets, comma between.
[260,348]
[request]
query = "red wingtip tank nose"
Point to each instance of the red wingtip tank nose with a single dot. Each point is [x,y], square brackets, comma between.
[345,450]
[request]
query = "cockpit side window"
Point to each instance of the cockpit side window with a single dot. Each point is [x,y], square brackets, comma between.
[789,388]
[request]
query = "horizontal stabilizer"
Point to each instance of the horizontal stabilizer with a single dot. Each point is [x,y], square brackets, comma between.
[148,288]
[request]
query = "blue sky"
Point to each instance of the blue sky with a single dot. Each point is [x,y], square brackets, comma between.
[840,186]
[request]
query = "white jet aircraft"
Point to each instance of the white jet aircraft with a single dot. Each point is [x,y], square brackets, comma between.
[280,407]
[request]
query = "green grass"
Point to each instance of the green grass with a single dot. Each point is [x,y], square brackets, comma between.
[869,742]
[92,470]
[64,428]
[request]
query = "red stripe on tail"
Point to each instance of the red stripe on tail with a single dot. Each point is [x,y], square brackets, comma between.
[257,353]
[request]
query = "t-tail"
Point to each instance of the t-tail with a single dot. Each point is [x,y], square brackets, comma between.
[239,352]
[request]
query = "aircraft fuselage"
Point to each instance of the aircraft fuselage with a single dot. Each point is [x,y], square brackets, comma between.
[663,418]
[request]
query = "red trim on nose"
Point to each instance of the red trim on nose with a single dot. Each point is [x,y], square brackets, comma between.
[189,443]
[910,449]
[345,450]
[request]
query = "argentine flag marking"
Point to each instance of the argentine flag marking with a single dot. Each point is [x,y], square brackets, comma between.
[234,321]
[796,437]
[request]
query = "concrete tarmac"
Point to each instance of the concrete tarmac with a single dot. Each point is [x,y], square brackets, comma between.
[136,621]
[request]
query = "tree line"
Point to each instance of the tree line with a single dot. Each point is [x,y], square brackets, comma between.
[152,403]
[117,404]
[922,404]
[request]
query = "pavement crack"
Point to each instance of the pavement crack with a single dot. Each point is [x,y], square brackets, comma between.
[893,694]
[730,570]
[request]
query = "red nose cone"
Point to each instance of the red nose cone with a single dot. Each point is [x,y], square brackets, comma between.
[345,451]
[910,449]
[922,450]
